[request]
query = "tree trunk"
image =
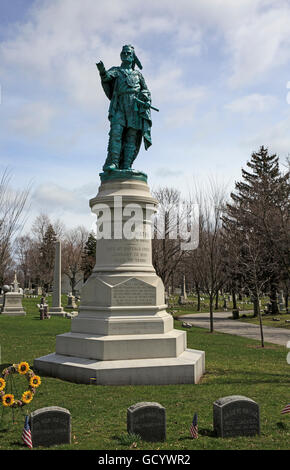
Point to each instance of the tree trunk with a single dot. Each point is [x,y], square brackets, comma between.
[256,306]
[217,300]
[273,300]
[211,298]
[198,297]
[73,284]
[260,321]
[234,299]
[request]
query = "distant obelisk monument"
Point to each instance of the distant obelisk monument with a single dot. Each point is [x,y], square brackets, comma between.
[56,308]
[123,334]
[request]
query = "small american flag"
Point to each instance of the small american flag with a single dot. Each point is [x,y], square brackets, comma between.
[194,427]
[286,409]
[26,433]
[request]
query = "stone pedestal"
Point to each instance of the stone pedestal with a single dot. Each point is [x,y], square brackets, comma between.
[13,304]
[123,334]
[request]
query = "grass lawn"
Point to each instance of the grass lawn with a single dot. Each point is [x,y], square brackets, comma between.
[191,306]
[234,366]
[268,320]
[246,307]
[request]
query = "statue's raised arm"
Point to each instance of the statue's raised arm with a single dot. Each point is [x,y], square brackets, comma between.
[129,111]
[101,67]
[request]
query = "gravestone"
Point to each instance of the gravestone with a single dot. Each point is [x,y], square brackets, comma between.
[15,285]
[37,291]
[12,304]
[236,415]
[181,300]
[183,287]
[166,298]
[50,426]
[71,315]
[183,296]
[148,419]
[186,325]
[236,314]
[281,300]
[43,311]
[268,308]
[71,303]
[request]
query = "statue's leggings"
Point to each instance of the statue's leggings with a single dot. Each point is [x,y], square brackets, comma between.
[121,137]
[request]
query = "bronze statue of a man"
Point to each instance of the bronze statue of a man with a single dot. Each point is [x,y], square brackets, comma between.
[129,111]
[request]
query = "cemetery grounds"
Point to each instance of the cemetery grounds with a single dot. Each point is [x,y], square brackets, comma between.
[234,366]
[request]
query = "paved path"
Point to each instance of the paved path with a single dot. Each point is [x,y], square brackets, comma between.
[224,324]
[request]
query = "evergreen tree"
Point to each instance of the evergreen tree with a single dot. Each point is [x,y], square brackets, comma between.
[258,217]
[47,254]
[89,256]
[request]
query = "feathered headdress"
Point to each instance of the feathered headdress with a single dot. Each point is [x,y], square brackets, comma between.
[136,61]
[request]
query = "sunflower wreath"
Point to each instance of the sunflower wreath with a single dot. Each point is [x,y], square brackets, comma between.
[8,399]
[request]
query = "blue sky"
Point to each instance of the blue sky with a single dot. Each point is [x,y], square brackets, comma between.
[217,70]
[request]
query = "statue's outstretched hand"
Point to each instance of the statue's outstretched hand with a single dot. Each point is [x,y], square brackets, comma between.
[101,67]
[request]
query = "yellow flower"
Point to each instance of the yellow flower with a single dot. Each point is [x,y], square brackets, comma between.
[23,368]
[35,381]
[2,384]
[8,399]
[27,397]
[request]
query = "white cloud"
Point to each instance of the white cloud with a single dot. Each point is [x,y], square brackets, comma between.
[275,136]
[168,172]
[52,197]
[252,103]
[70,205]
[191,52]
[32,119]
[177,101]
[63,39]
[259,44]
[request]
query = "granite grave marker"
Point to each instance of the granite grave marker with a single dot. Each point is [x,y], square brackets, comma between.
[50,426]
[148,419]
[236,415]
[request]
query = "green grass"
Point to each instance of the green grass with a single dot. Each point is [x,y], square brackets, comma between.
[245,306]
[191,306]
[268,320]
[234,366]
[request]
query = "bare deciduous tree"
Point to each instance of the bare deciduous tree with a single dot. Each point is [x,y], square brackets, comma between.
[12,204]
[72,250]
[166,251]
[208,259]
